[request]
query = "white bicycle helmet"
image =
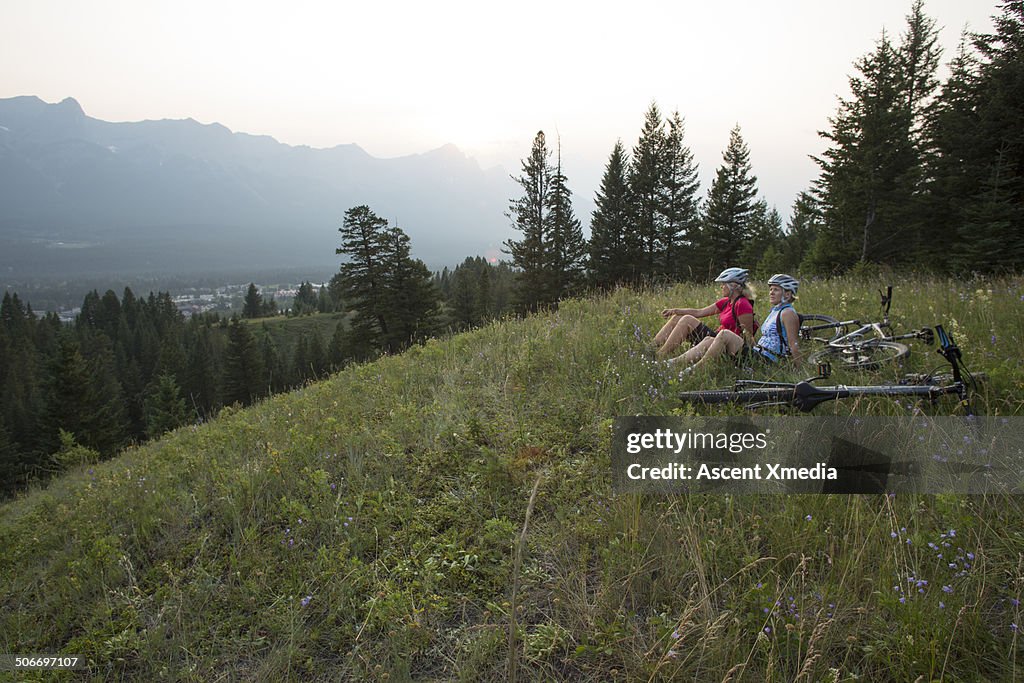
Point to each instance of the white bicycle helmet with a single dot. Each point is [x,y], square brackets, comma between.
[786,282]
[737,275]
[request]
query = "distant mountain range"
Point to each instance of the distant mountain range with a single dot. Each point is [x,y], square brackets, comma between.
[82,196]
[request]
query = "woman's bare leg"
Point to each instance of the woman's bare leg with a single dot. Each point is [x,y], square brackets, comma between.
[666,330]
[678,329]
[694,353]
[724,342]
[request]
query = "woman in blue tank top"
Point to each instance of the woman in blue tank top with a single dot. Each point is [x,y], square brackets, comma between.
[780,330]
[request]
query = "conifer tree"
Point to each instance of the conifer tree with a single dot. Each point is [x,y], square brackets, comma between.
[244,374]
[614,247]
[761,250]
[273,364]
[362,278]
[253,307]
[14,469]
[873,174]
[336,349]
[678,204]
[566,247]
[410,302]
[954,169]
[203,374]
[317,354]
[992,231]
[729,209]
[301,365]
[529,216]
[165,408]
[484,290]
[464,299]
[84,400]
[804,224]
[645,181]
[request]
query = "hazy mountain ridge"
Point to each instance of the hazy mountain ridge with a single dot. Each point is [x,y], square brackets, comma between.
[204,190]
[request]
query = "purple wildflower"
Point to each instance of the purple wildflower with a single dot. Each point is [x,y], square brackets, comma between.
[306,600]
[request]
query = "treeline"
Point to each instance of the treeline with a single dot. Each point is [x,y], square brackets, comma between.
[126,370]
[917,173]
[130,368]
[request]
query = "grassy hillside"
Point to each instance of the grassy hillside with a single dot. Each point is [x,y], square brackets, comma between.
[286,331]
[367,527]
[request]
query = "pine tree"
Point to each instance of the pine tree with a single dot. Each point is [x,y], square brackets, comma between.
[678,204]
[410,303]
[804,224]
[253,307]
[993,227]
[165,408]
[306,300]
[244,374]
[566,248]
[955,171]
[22,383]
[301,365]
[84,397]
[645,182]
[869,174]
[730,207]
[13,467]
[484,289]
[464,301]
[762,248]
[919,56]
[273,364]
[363,278]
[614,247]
[203,371]
[317,353]
[336,349]
[108,425]
[529,216]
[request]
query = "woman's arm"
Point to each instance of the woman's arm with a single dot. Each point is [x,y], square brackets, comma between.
[747,328]
[695,312]
[792,322]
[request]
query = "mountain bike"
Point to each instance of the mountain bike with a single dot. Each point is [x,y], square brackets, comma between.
[805,396]
[860,345]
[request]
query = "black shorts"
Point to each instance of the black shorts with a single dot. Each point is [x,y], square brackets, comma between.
[700,333]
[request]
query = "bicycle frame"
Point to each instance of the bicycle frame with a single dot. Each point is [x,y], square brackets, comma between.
[805,396]
[882,330]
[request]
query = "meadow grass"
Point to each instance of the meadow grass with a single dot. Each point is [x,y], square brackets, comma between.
[372,526]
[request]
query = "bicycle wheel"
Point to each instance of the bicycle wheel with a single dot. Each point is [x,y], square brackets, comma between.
[819,327]
[743,396]
[867,356]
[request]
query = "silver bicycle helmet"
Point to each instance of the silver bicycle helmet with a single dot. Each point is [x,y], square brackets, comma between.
[737,275]
[784,281]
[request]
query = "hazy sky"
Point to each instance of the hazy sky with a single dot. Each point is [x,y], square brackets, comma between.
[404,77]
